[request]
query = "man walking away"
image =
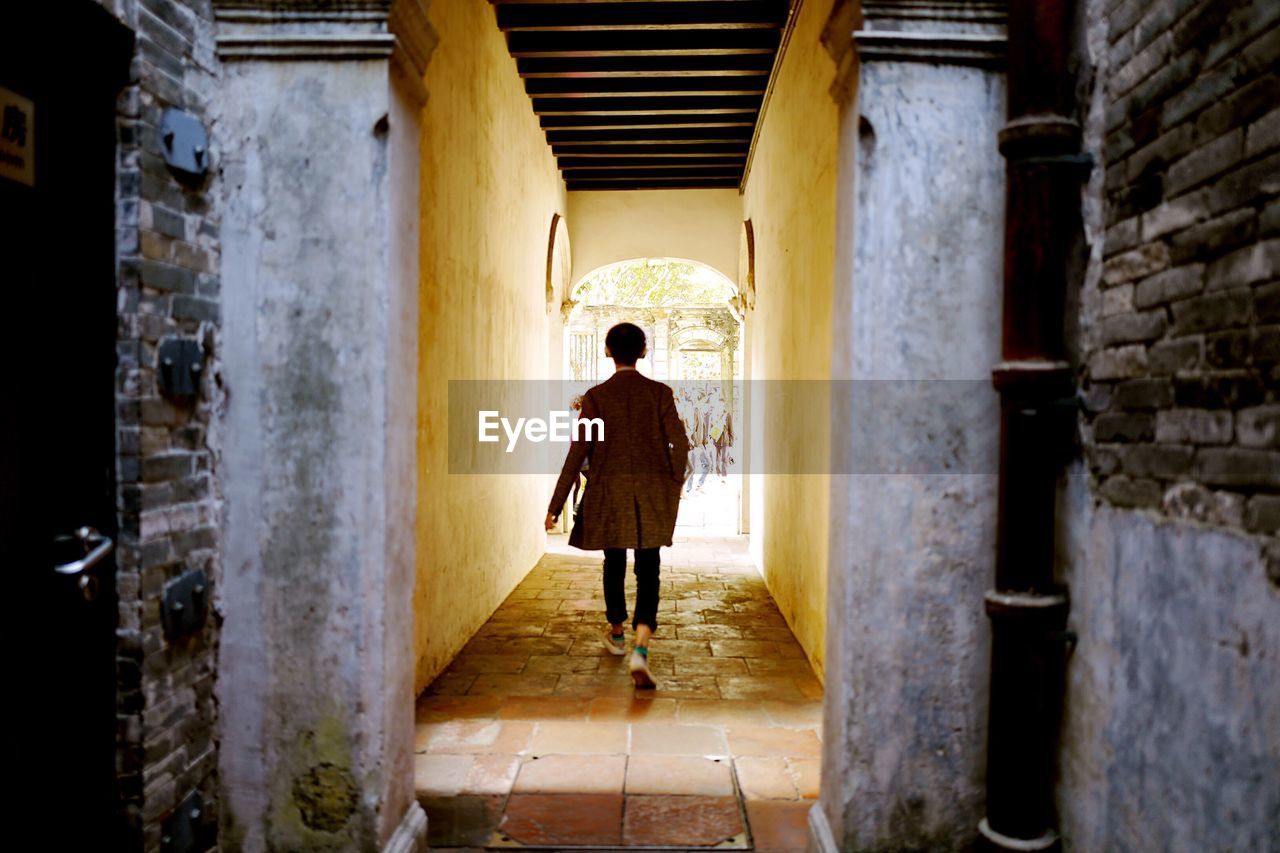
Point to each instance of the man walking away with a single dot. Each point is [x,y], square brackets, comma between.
[632,495]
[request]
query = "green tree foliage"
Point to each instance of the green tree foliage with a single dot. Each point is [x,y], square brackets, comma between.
[652,283]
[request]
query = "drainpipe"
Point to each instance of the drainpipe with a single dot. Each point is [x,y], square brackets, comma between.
[1028,612]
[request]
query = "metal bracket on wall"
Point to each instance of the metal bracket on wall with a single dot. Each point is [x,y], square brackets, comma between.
[186,604]
[181,361]
[187,829]
[184,143]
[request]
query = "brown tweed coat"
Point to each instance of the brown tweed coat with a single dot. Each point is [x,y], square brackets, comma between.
[635,474]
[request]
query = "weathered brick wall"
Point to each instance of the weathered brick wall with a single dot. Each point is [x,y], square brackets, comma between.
[168,497]
[1184,354]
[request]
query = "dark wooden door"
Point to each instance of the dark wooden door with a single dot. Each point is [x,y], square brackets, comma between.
[61,68]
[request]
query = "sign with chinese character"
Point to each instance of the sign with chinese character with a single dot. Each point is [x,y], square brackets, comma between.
[17,138]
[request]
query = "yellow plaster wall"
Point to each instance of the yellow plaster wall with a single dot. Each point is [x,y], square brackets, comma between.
[490,188]
[696,225]
[790,200]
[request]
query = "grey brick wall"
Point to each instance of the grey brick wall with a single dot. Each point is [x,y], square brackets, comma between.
[1184,356]
[167,249]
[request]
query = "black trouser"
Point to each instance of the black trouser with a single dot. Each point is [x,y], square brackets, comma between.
[615,598]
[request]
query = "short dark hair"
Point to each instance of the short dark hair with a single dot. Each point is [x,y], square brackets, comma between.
[625,342]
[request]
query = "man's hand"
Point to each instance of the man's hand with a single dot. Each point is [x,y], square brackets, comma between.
[550,523]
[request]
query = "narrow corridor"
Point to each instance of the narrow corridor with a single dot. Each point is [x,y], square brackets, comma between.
[534,737]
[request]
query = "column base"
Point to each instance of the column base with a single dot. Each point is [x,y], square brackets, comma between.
[821,838]
[997,841]
[411,835]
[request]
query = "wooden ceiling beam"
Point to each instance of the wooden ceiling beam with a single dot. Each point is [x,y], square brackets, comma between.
[593,163]
[568,3]
[649,175]
[651,86]
[673,65]
[652,184]
[648,105]
[646,136]
[646,94]
[747,14]
[681,119]
[721,149]
[600,43]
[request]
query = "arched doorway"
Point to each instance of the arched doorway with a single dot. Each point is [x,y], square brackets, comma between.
[690,316]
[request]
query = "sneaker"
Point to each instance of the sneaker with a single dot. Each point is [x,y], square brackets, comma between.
[615,647]
[640,672]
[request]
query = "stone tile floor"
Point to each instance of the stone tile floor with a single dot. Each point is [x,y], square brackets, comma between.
[535,738]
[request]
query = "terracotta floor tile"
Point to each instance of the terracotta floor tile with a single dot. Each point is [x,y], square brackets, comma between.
[522,684]
[595,685]
[792,667]
[721,712]
[695,605]
[518,646]
[530,608]
[758,740]
[544,708]
[575,630]
[468,821]
[441,775]
[566,619]
[586,605]
[807,773]
[794,714]
[505,616]
[451,684]
[678,619]
[680,649]
[589,646]
[488,663]
[430,709]
[571,774]
[580,738]
[791,650]
[756,687]
[640,706]
[810,687]
[476,736]
[455,735]
[710,666]
[536,671]
[675,739]
[778,826]
[749,622]
[559,594]
[679,774]
[492,774]
[683,821]
[743,648]
[551,819]
[541,580]
[563,664]
[708,632]
[773,634]
[765,778]
[494,630]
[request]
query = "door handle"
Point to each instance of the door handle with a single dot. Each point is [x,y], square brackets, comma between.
[98,547]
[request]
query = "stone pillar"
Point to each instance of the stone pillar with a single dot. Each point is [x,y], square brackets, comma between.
[318,138]
[917,326]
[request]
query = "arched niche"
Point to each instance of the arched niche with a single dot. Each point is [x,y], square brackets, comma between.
[559,264]
[747,265]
